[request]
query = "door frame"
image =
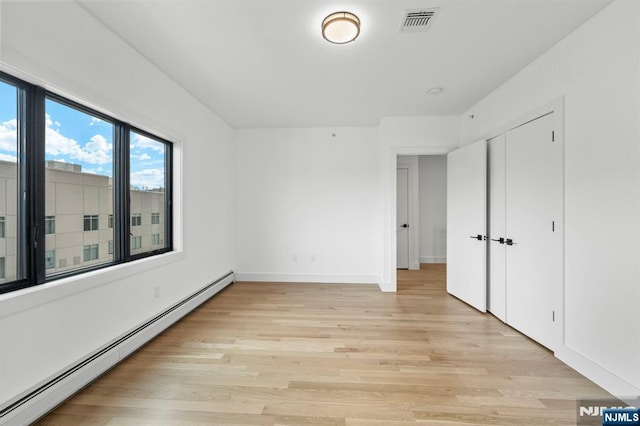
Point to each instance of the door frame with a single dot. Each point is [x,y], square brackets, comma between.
[389,281]
[413,196]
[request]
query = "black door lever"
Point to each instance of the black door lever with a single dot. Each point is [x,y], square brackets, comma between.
[509,242]
[500,240]
[406,225]
[478,237]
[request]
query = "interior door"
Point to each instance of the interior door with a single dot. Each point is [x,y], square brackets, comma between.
[497,302]
[402,219]
[533,266]
[466,224]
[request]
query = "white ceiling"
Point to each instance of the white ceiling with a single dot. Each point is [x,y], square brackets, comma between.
[264,63]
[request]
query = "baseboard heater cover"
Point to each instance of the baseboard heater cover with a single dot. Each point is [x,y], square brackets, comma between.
[56,390]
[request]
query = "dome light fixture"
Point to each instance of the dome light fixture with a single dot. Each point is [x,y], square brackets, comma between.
[341,27]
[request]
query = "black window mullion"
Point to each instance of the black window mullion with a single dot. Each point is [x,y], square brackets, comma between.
[35,169]
[121,208]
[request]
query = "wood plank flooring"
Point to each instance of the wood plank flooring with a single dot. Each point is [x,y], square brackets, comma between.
[306,354]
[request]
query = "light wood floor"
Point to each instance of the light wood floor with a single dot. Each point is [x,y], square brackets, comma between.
[302,354]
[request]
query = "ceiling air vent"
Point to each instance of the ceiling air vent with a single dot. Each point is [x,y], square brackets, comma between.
[416,20]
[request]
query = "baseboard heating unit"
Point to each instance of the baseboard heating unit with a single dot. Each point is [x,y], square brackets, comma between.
[43,398]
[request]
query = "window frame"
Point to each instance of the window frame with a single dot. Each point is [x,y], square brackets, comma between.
[168,193]
[31,170]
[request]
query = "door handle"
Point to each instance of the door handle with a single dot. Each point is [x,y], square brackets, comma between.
[478,237]
[509,242]
[405,225]
[500,240]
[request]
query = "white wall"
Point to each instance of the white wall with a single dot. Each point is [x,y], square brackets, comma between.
[597,71]
[432,170]
[46,328]
[308,205]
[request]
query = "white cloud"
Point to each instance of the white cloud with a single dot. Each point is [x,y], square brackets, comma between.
[149,178]
[96,151]
[95,120]
[9,135]
[9,158]
[144,157]
[142,142]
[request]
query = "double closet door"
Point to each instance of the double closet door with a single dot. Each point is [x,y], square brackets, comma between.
[524,236]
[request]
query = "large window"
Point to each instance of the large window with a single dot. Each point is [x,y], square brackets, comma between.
[97,191]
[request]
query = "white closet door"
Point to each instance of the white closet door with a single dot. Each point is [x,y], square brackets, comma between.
[466,224]
[497,302]
[532,260]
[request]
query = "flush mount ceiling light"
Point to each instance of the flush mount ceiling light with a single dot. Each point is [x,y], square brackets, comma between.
[435,91]
[341,27]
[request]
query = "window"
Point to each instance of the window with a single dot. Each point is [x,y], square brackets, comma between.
[11,141]
[90,252]
[149,179]
[91,222]
[50,259]
[136,243]
[76,168]
[49,224]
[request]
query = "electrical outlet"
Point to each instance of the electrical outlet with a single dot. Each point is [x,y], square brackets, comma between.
[312,258]
[294,258]
[156,292]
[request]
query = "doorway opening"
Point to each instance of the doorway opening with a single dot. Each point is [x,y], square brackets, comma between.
[421,212]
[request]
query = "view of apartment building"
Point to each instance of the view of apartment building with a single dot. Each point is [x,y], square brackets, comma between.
[78,219]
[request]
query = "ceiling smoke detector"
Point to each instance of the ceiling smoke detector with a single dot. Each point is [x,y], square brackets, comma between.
[417,20]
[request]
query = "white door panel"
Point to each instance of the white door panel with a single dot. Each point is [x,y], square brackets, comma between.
[531,272]
[466,218]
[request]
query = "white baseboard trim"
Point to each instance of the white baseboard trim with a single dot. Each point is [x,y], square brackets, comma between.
[615,385]
[387,287]
[307,278]
[50,393]
[433,259]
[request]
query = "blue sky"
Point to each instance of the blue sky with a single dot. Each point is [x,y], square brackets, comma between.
[75,137]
